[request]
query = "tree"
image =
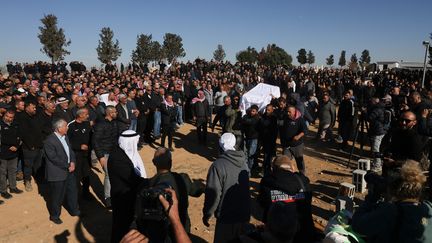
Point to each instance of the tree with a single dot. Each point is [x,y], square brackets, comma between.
[342,60]
[354,62]
[310,58]
[142,53]
[219,53]
[250,55]
[156,51]
[107,50]
[53,39]
[365,59]
[330,60]
[275,55]
[301,57]
[173,47]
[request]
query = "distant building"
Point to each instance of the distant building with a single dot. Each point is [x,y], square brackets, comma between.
[401,65]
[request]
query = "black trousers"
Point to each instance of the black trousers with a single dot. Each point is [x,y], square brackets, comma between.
[201,129]
[167,131]
[82,168]
[63,192]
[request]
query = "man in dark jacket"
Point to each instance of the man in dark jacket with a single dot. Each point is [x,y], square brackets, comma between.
[10,142]
[104,139]
[286,185]
[291,134]
[377,130]
[30,130]
[79,137]
[62,110]
[227,195]
[179,182]
[327,118]
[345,117]
[268,135]
[200,110]
[169,113]
[250,129]
[123,114]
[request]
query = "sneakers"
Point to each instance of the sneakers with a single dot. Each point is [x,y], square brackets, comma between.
[16,191]
[6,195]
[19,176]
[28,186]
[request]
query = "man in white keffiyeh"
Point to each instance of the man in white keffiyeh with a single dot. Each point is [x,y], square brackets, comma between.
[128,141]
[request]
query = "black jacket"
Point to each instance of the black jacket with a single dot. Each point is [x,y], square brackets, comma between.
[105,136]
[169,114]
[30,131]
[63,114]
[268,131]
[250,126]
[291,128]
[79,134]
[346,111]
[123,122]
[376,117]
[156,102]
[289,187]
[9,137]
[200,110]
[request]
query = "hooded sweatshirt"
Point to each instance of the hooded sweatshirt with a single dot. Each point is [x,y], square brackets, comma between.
[227,193]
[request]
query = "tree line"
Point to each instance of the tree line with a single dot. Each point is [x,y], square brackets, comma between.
[54,44]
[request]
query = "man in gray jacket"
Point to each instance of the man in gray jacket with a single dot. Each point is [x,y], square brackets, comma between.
[227,192]
[327,118]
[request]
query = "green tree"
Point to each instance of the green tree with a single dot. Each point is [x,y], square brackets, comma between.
[365,59]
[250,55]
[310,57]
[108,50]
[219,54]
[173,47]
[301,57]
[342,60]
[275,55]
[142,54]
[330,60]
[53,39]
[354,62]
[156,51]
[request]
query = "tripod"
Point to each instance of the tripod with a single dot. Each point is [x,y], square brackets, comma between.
[360,128]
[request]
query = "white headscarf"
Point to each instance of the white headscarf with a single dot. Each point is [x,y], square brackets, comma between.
[227,141]
[128,141]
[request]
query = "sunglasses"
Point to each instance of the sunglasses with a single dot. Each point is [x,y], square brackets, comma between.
[403,120]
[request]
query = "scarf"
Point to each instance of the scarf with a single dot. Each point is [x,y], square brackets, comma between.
[128,142]
[200,98]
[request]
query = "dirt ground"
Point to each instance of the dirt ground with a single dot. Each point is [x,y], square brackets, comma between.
[25,218]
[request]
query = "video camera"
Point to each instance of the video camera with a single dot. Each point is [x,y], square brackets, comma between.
[151,218]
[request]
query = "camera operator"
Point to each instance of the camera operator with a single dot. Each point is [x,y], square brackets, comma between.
[180,182]
[403,216]
[377,130]
[172,210]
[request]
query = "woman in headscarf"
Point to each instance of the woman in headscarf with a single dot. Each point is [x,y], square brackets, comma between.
[127,173]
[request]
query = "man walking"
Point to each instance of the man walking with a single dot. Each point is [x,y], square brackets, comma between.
[227,193]
[59,172]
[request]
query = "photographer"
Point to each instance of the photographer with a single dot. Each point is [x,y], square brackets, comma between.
[180,182]
[404,216]
[171,209]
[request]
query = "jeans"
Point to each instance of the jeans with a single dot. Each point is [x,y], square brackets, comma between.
[180,115]
[157,123]
[375,147]
[133,124]
[296,152]
[251,147]
[8,170]
[107,184]
[31,158]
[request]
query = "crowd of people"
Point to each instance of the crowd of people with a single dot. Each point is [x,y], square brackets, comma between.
[56,123]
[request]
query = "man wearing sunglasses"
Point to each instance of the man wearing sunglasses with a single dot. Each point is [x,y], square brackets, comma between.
[406,142]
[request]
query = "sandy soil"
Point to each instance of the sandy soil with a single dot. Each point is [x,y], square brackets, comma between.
[25,218]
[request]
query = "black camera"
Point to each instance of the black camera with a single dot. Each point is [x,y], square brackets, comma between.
[148,206]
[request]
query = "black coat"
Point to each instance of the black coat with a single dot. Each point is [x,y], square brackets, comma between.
[9,137]
[250,126]
[169,114]
[376,117]
[105,135]
[123,122]
[124,185]
[30,131]
[286,184]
